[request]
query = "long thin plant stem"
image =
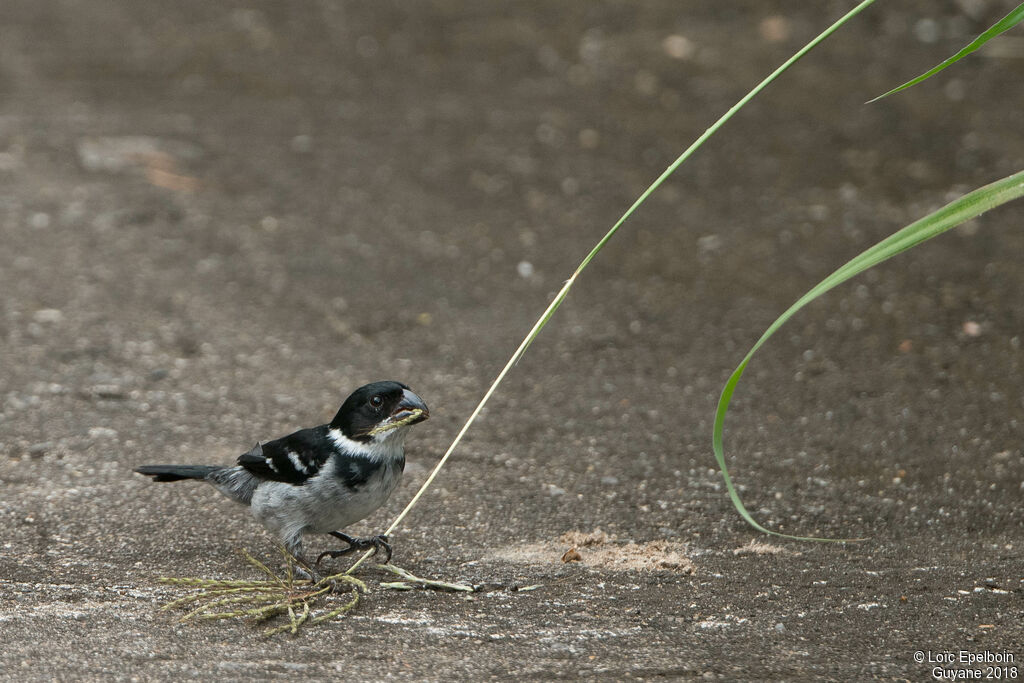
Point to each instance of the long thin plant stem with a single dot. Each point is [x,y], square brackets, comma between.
[560,297]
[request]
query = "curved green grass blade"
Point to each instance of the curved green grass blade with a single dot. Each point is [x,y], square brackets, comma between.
[1004,24]
[949,216]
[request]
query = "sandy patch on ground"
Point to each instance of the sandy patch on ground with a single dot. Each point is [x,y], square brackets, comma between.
[756,547]
[600,550]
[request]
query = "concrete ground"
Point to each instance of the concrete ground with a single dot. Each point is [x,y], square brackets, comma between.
[219,218]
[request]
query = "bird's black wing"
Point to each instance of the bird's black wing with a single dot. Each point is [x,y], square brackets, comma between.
[293,459]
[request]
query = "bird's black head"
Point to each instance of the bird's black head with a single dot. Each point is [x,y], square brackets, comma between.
[379,409]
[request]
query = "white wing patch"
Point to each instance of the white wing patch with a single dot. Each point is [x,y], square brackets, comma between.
[297,462]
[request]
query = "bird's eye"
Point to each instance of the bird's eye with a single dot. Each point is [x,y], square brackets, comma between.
[376,401]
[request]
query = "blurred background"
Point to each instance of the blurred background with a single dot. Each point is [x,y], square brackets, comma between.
[216,219]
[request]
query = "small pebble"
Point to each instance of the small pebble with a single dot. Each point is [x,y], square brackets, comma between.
[302,144]
[774,29]
[589,138]
[927,30]
[554,490]
[47,315]
[709,243]
[571,555]
[678,47]
[102,433]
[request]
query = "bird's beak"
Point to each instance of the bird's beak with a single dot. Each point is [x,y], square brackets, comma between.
[410,410]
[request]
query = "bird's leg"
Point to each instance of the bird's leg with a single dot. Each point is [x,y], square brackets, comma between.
[303,569]
[376,543]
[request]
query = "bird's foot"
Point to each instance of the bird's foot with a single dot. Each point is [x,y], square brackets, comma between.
[303,571]
[375,543]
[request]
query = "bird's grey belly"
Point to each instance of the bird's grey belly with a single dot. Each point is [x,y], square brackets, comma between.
[321,505]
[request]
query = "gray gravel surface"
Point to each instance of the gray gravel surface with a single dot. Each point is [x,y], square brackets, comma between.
[219,218]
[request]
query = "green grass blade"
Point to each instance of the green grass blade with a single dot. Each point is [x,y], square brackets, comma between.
[949,216]
[1004,24]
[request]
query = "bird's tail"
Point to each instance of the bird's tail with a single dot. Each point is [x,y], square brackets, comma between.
[177,472]
[237,483]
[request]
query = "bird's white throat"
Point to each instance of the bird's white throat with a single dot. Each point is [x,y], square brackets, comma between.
[385,446]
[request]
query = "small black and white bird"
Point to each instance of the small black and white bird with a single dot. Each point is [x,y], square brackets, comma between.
[324,478]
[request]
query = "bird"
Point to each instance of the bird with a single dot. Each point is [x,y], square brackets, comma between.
[321,479]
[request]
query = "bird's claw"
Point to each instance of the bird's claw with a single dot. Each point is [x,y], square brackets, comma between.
[304,572]
[375,543]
